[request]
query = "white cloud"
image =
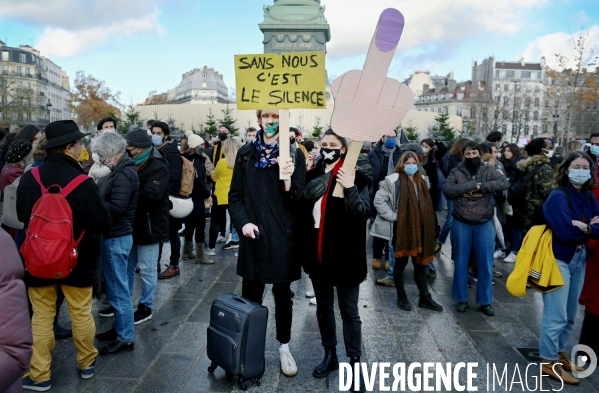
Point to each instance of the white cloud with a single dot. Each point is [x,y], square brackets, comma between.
[559,42]
[434,21]
[72,27]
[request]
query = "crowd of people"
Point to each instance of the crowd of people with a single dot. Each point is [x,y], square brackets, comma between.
[143,190]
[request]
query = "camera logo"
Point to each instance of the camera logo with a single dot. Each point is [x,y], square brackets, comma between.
[581,359]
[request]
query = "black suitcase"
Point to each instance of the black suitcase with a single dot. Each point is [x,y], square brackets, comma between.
[237,337]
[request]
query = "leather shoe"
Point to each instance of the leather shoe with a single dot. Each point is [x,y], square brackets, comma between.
[60,332]
[170,272]
[116,347]
[329,363]
[404,303]
[109,335]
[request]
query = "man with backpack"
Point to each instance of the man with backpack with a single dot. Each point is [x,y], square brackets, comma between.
[160,134]
[72,199]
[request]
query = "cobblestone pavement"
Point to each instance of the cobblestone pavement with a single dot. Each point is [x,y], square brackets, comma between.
[170,349]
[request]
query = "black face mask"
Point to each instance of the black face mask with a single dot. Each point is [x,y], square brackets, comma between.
[330,155]
[472,162]
[222,136]
[292,141]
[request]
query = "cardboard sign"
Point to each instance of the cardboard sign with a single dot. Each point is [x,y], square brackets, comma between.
[369,105]
[289,80]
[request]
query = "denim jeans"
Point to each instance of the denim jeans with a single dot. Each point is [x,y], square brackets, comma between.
[391,259]
[115,254]
[463,237]
[234,235]
[145,257]
[515,238]
[447,226]
[560,306]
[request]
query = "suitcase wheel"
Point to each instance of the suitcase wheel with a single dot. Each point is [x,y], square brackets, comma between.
[258,382]
[242,384]
[212,367]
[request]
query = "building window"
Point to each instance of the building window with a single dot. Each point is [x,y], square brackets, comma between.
[536,115]
[504,129]
[525,74]
[556,104]
[526,130]
[497,100]
[506,100]
[506,115]
[545,128]
[526,116]
[446,110]
[19,71]
[535,130]
[27,71]
[459,111]
[439,110]
[472,112]
[537,89]
[5,69]
[497,87]
[537,101]
[485,111]
[203,85]
[5,55]
[506,87]
[509,74]
[22,58]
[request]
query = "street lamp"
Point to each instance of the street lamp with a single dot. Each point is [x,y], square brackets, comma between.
[555,119]
[48,108]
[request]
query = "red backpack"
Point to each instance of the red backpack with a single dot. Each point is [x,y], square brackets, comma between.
[49,249]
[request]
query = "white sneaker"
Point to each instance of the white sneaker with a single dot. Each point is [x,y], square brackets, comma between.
[310,294]
[221,239]
[210,251]
[236,254]
[288,366]
[499,254]
[510,258]
[313,301]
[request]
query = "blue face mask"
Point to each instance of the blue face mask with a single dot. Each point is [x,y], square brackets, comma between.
[271,130]
[579,176]
[425,150]
[410,169]
[157,140]
[595,150]
[390,143]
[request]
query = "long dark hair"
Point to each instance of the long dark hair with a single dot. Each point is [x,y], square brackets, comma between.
[515,152]
[456,149]
[28,132]
[561,177]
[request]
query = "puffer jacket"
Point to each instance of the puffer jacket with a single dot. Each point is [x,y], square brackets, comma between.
[171,153]
[538,189]
[151,221]
[479,207]
[119,191]
[385,202]
[15,340]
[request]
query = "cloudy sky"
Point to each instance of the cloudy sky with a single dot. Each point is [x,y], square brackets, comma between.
[137,46]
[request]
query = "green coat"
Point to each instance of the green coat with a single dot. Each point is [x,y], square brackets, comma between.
[538,189]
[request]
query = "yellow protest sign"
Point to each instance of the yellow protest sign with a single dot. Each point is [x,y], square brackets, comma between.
[289,80]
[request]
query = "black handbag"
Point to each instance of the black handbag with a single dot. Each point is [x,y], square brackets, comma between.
[317,187]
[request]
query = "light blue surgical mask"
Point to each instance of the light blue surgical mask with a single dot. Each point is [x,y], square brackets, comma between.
[157,140]
[425,150]
[595,150]
[579,176]
[410,169]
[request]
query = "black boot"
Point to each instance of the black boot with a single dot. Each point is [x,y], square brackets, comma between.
[329,363]
[403,303]
[352,361]
[426,301]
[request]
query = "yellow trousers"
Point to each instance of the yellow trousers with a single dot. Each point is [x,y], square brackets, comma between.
[79,301]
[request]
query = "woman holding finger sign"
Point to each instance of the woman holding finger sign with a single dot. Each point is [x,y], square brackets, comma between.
[331,245]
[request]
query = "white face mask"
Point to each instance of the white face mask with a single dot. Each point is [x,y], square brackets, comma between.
[550,153]
[498,155]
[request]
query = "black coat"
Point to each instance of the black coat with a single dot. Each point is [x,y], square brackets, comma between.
[511,168]
[89,214]
[119,192]
[344,238]
[376,158]
[260,200]
[151,216]
[171,153]
[200,190]
[431,171]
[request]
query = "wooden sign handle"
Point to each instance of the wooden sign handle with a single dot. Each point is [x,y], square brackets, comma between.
[351,159]
[283,141]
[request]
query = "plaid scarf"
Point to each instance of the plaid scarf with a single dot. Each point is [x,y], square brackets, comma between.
[269,154]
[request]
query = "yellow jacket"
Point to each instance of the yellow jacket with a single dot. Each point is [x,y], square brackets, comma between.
[535,264]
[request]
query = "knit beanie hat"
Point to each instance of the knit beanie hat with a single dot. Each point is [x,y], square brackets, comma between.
[17,151]
[138,138]
[193,140]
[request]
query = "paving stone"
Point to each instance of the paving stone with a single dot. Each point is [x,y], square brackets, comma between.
[167,374]
[103,385]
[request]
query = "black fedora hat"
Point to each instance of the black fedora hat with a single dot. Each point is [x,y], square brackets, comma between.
[62,132]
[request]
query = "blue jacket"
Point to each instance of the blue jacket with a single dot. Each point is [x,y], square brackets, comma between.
[559,215]
[376,158]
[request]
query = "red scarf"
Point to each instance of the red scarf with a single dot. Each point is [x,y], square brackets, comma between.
[323,207]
